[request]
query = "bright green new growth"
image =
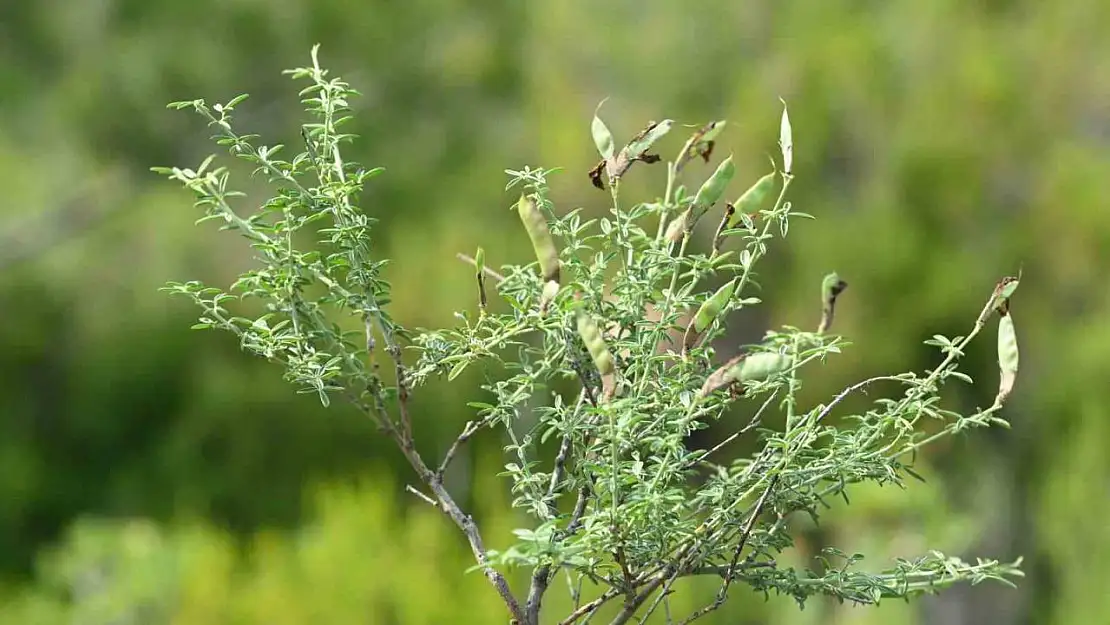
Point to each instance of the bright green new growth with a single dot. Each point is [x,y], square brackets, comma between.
[611,495]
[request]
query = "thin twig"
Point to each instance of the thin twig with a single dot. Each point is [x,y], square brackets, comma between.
[468,430]
[754,423]
[590,607]
[421,495]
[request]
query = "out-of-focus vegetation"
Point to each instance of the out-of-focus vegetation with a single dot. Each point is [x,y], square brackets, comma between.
[946,144]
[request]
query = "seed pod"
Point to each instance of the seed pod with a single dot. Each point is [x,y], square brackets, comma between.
[763,365]
[599,352]
[712,189]
[786,141]
[831,288]
[677,228]
[550,290]
[480,268]
[544,246]
[1007,358]
[747,368]
[752,200]
[709,310]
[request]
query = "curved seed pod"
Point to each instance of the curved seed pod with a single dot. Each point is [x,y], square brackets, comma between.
[752,200]
[544,246]
[1007,357]
[599,352]
[480,268]
[714,187]
[831,288]
[709,310]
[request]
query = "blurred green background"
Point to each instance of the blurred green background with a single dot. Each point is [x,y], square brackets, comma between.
[150,474]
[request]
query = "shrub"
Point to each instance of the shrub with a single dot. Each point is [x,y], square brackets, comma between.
[631,308]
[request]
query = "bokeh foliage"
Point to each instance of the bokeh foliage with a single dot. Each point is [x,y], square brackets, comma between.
[947,143]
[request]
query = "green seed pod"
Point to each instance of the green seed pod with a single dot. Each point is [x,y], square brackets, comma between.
[715,185]
[761,366]
[831,288]
[1007,357]
[747,368]
[599,351]
[536,225]
[713,306]
[603,139]
[709,310]
[752,200]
